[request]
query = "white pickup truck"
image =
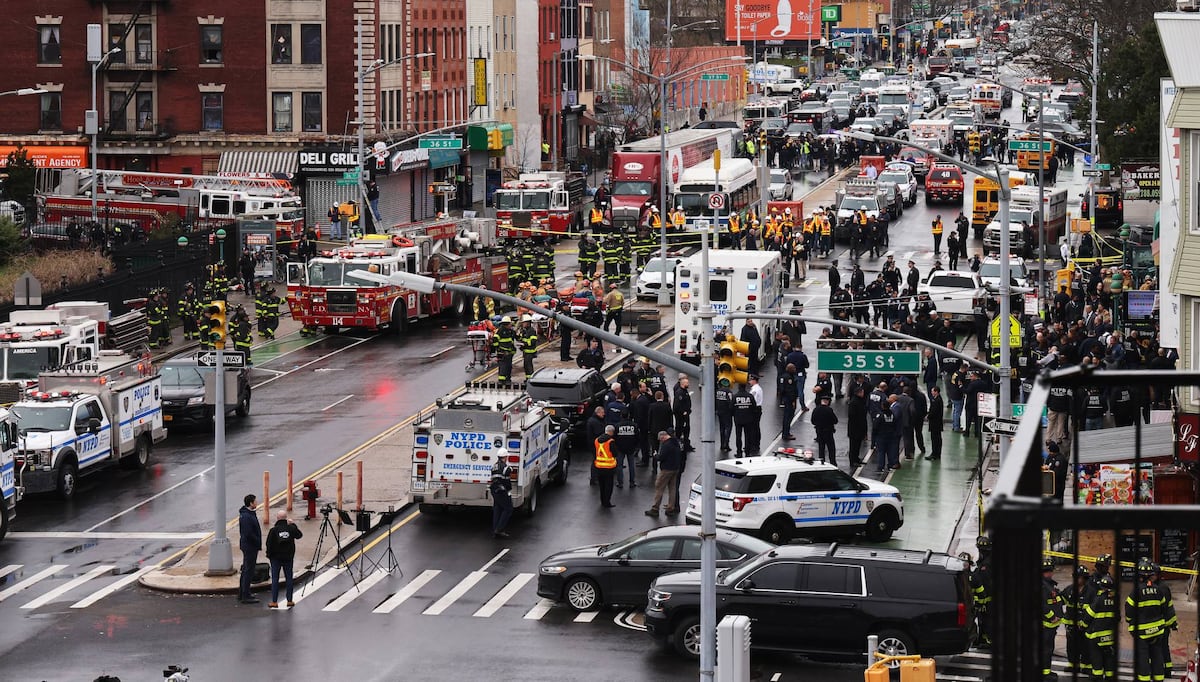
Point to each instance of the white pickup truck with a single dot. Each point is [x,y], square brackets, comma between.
[957,293]
[85,417]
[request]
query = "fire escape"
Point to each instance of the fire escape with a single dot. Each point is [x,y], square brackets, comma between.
[130,69]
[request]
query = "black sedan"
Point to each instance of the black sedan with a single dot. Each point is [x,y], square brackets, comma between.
[589,577]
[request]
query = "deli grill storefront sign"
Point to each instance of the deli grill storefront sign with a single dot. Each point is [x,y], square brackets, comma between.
[327,161]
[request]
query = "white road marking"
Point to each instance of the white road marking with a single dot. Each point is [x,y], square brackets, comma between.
[625,619]
[9,569]
[297,368]
[441,352]
[455,593]
[907,256]
[333,405]
[101,535]
[407,591]
[67,587]
[317,583]
[119,514]
[776,676]
[507,592]
[102,593]
[272,371]
[494,559]
[587,616]
[539,609]
[31,580]
[355,592]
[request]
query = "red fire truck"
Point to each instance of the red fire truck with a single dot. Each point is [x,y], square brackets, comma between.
[322,293]
[148,199]
[547,204]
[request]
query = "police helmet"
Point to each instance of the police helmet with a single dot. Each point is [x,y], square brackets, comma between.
[1047,563]
[1104,561]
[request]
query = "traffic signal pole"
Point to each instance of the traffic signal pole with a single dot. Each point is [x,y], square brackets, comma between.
[708,498]
[220,552]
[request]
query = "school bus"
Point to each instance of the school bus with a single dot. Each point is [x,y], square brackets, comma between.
[1028,160]
[987,196]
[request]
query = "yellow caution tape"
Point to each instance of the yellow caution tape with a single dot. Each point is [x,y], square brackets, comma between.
[1128,564]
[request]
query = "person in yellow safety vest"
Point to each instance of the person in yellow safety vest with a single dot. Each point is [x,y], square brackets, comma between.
[596,216]
[936,229]
[788,222]
[735,229]
[826,236]
[678,218]
[751,215]
[605,465]
[655,219]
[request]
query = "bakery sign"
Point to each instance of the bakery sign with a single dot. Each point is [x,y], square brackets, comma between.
[1187,437]
[1142,180]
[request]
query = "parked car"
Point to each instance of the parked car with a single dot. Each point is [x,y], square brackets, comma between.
[593,576]
[711,124]
[784,86]
[900,174]
[1018,273]
[956,293]
[781,185]
[570,393]
[650,276]
[184,392]
[824,599]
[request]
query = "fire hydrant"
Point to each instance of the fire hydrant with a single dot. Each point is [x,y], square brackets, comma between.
[310,493]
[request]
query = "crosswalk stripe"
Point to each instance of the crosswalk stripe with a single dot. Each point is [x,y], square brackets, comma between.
[355,592]
[407,591]
[67,587]
[587,616]
[9,569]
[507,592]
[455,593]
[117,585]
[539,609]
[32,580]
[317,583]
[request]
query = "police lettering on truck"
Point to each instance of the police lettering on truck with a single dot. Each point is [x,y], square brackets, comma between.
[10,494]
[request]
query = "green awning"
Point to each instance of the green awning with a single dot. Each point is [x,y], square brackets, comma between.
[477,135]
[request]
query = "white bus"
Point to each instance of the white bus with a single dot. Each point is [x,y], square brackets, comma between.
[739,188]
[964,52]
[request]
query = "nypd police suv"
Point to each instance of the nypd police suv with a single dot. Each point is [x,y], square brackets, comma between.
[786,494]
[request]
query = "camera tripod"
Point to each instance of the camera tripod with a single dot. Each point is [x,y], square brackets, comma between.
[386,563]
[327,529]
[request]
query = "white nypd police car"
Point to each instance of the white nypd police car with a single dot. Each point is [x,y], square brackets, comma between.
[787,494]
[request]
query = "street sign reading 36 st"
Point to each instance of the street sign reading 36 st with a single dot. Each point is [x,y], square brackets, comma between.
[887,361]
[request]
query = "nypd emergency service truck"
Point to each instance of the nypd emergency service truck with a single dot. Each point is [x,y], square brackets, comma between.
[489,426]
[742,281]
[788,494]
[85,417]
[10,494]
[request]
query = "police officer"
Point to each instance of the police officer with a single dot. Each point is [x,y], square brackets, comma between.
[745,418]
[629,442]
[1074,600]
[528,338]
[981,589]
[1146,612]
[502,506]
[724,402]
[504,346]
[1098,622]
[1051,616]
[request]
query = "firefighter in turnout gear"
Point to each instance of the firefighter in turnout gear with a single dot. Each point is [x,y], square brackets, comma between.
[624,256]
[1146,613]
[1051,616]
[189,312]
[217,286]
[1074,599]
[504,346]
[482,307]
[981,589]
[544,267]
[266,311]
[589,253]
[158,317]
[1098,622]
[610,252]
[204,326]
[528,338]
[239,331]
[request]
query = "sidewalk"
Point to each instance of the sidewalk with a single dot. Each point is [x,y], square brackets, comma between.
[386,464]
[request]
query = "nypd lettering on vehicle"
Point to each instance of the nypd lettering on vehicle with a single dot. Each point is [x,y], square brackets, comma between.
[463,440]
[8,479]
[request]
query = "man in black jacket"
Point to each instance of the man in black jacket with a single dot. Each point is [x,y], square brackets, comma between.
[250,542]
[281,551]
[659,418]
[824,421]
[745,419]
[786,393]
[670,461]
[592,356]
[856,423]
[641,415]
[595,428]
[724,405]
[751,336]
[682,407]
[937,415]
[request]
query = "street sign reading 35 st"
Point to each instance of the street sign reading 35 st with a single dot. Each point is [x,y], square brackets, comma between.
[887,361]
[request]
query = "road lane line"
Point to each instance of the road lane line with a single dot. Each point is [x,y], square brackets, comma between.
[356,591]
[118,515]
[103,535]
[31,580]
[494,559]
[441,352]
[407,591]
[587,616]
[272,371]
[776,676]
[68,586]
[312,362]
[317,583]
[539,609]
[9,569]
[333,405]
[507,592]
[454,594]
[120,584]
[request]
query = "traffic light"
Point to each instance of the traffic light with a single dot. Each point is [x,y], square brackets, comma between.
[883,43]
[495,139]
[733,358]
[762,140]
[218,326]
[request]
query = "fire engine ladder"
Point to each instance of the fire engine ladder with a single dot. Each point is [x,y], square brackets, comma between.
[114,178]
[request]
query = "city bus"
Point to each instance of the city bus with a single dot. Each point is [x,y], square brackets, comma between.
[964,52]
[739,187]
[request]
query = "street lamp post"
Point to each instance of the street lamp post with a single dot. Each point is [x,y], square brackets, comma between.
[1001,177]
[23,91]
[92,119]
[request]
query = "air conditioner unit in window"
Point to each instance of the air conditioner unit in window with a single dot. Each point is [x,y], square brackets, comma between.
[552,35]
[1187,5]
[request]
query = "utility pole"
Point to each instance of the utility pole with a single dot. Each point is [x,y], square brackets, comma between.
[664,296]
[1005,363]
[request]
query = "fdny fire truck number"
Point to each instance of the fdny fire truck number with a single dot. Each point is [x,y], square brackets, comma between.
[852,507]
[338,321]
[412,300]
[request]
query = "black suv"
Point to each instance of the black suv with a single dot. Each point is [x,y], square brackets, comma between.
[184,392]
[825,599]
[571,393]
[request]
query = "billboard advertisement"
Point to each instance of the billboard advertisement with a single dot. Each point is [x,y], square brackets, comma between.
[773,20]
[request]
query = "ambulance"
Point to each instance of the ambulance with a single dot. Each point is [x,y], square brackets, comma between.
[489,426]
[741,281]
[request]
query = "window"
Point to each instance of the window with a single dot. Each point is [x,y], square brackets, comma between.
[51,111]
[691,550]
[653,550]
[310,115]
[718,291]
[145,111]
[143,36]
[281,112]
[588,28]
[211,44]
[310,43]
[49,49]
[920,586]
[833,579]
[116,39]
[802,482]
[116,112]
[281,43]
[220,206]
[779,576]
[835,480]
[212,106]
[589,75]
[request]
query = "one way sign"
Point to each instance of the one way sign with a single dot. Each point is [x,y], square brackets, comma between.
[1004,426]
[229,358]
